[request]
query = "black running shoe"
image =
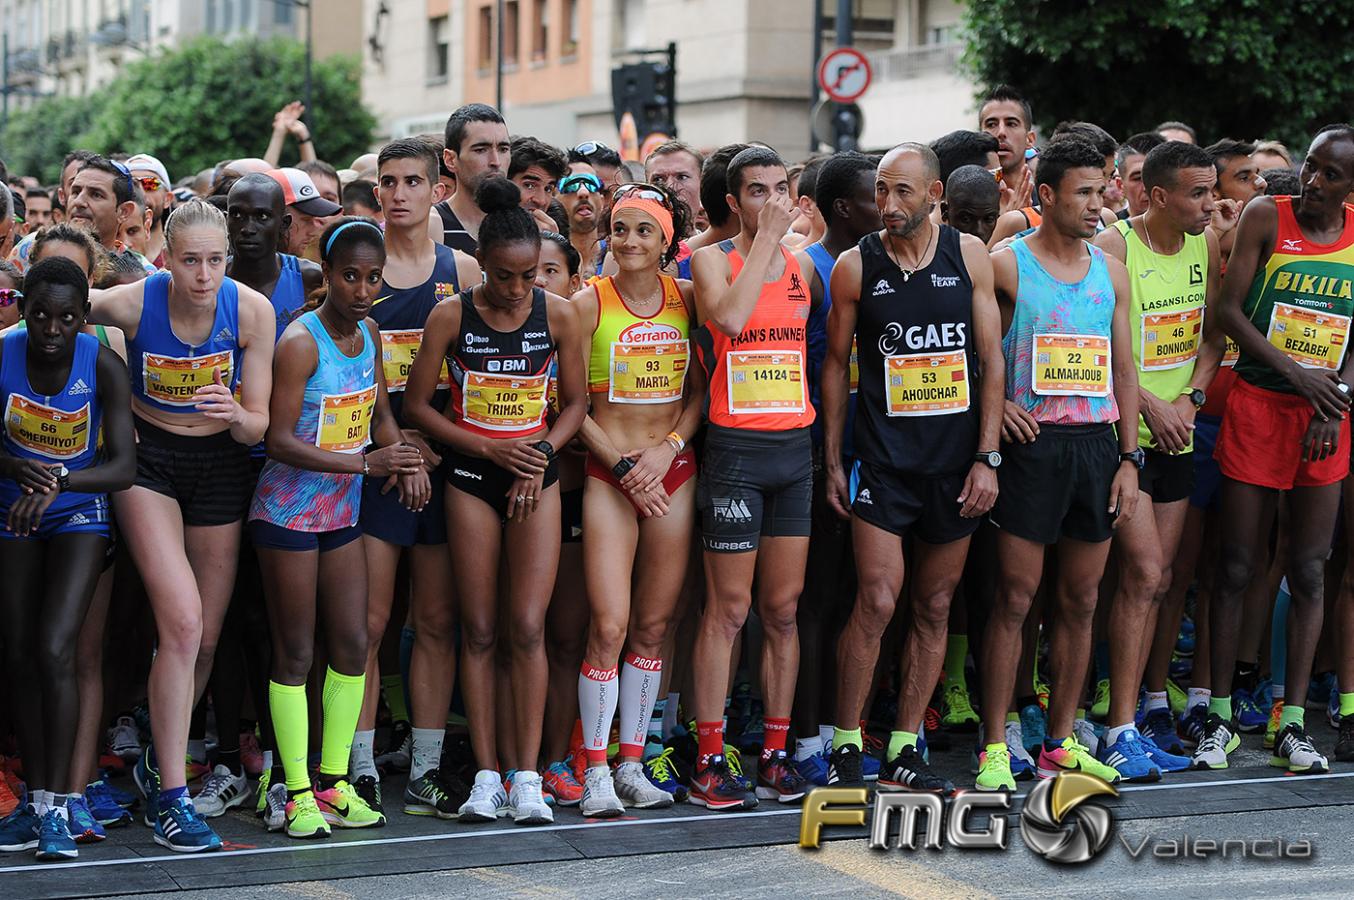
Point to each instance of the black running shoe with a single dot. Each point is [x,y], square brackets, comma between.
[1344,745]
[908,771]
[369,789]
[845,768]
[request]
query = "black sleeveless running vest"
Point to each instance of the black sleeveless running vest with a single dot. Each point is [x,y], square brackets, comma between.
[916,409]
[524,355]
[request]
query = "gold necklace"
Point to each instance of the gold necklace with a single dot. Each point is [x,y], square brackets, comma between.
[897,260]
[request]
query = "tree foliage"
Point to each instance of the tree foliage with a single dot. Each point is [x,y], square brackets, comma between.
[194,106]
[1230,68]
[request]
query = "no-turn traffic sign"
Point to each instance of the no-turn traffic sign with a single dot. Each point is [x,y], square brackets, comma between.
[844,74]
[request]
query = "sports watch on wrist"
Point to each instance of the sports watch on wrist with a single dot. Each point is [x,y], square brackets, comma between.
[545,447]
[990,458]
[621,468]
[1196,396]
[1135,456]
[63,478]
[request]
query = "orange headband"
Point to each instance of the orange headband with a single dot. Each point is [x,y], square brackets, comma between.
[653,208]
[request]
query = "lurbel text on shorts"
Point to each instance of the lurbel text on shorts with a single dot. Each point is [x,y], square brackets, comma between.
[730,545]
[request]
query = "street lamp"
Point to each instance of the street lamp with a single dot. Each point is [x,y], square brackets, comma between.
[306,5]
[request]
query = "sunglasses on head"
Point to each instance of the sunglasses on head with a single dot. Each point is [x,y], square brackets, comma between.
[126,173]
[572,184]
[150,182]
[10,296]
[588,148]
[642,191]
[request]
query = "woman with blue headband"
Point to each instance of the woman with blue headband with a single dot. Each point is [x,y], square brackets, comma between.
[329,406]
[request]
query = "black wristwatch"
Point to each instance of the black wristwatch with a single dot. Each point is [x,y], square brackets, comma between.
[1197,397]
[1135,456]
[990,457]
[545,447]
[63,477]
[624,466]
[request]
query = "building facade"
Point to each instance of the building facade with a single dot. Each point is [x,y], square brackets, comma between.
[745,67]
[71,47]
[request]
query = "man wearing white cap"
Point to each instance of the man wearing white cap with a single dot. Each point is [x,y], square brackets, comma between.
[306,206]
[154,178]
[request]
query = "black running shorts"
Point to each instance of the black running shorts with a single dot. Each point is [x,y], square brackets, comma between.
[211,477]
[925,505]
[1167,477]
[1059,485]
[754,484]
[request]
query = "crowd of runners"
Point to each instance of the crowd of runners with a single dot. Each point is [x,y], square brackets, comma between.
[540,478]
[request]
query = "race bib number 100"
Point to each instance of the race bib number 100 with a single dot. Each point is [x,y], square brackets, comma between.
[505,402]
[1071,365]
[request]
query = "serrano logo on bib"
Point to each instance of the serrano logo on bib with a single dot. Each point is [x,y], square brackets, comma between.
[54,433]
[1071,365]
[345,420]
[174,380]
[505,402]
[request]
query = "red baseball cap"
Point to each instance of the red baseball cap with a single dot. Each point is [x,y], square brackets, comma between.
[299,191]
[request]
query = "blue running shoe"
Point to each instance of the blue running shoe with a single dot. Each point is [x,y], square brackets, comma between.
[1158,727]
[1021,769]
[1128,756]
[814,769]
[1181,668]
[922,750]
[104,806]
[1250,718]
[1263,695]
[19,829]
[1166,762]
[179,828]
[82,824]
[112,794]
[54,838]
[1333,704]
[1032,728]
[1318,691]
[146,777]
[664,775]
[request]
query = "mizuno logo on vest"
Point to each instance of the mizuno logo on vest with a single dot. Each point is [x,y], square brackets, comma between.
[80,388]
[882,288]
[1293,245]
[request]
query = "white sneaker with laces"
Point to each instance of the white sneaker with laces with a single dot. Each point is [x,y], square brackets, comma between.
[487,798]
[599,794]
[275,812]
[526,800]
[1015,742]
[221,790]
[634,788]
[1085,734]
[124,741]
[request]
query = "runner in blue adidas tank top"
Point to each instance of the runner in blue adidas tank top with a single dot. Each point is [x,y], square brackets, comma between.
[60,391]
[1066,478]
[191,334]
[418,273]
[328,405]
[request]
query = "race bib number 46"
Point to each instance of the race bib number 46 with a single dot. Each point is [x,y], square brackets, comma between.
[926,384]
[345,420]
[1311,338]
[505,402]
[1170,340]
[647,373]
[766,382]
[54,433]
[1071,365]
[173,380]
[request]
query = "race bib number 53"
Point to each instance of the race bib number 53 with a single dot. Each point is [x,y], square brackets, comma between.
[926,384]
[1071,365]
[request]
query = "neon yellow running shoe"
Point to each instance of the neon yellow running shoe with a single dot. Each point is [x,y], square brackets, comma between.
[959,712]
[304,819]
[261,804]
[1072,756]
[341,805]
[1100,709]
[994,769]
[1272,727]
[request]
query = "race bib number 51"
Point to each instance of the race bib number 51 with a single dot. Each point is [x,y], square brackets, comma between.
[1071,365]
[1311,338]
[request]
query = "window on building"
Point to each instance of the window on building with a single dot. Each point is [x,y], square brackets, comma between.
[945,34]
[569,35]
[511,20]
[439,48]
[540,30]
[869,18]
[486,37]
[630,34]
[282,11]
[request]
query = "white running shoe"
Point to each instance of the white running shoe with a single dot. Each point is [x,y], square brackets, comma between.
[527,802]
[487,799]
[599,794]
[635,789]
[124,741]
[1015,742]
[1085,734]
[275,809]
[221,790]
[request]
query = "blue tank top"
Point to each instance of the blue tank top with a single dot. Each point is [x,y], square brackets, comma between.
[336,413]
[816,339]
[165,371]
[56,430]
[289,294]
[1058,365]
[401,313]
